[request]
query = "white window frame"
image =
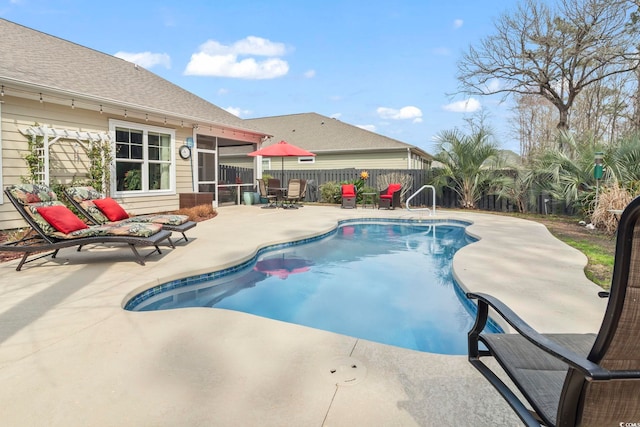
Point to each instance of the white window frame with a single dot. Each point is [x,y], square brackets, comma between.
[306,160]
[113,124]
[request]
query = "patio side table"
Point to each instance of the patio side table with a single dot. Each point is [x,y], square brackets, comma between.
[369,199]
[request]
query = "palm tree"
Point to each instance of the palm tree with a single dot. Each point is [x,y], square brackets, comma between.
[566,172]
[623,163]
[467,164]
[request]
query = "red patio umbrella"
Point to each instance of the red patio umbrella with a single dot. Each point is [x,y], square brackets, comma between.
[282,149]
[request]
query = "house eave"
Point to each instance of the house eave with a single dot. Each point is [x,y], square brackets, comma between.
[34,91]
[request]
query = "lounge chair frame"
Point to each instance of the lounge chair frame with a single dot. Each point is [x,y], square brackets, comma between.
[179,228]
[599,375]
[42,242]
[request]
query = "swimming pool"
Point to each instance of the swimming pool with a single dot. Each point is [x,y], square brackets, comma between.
[388,282]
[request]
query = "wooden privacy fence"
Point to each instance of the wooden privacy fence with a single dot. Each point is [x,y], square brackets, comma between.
[446,197]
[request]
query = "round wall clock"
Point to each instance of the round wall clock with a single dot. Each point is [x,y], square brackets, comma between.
[185,152]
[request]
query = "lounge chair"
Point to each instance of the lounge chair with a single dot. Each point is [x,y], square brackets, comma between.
[98,210]
[573,379]
[390,197]
[348,193]
[271,198]
[56,227]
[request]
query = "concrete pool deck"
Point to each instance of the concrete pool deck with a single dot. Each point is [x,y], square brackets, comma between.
[71,356]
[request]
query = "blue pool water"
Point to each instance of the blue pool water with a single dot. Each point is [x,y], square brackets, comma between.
[384,282]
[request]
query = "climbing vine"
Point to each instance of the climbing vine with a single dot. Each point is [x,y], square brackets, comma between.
[34,159]
[100,158]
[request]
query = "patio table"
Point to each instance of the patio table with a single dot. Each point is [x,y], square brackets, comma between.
[280,192]
[369,199]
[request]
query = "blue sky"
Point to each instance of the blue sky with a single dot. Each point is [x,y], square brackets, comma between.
[388,67]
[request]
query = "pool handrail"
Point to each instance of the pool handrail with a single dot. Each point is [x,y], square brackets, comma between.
[432,211]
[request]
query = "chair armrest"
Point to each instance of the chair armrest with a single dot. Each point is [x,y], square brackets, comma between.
[581,363]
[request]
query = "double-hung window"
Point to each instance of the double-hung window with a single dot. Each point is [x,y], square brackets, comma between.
[143,158]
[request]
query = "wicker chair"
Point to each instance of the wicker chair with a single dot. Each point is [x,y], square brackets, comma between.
[348,192]
[573,379]
[390,197]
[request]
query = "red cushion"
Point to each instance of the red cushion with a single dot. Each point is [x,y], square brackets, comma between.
[111,209]
[61,218]
[348,190]
[393,188]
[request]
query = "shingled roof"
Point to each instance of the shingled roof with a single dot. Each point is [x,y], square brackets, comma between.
[30,58]
[318,133]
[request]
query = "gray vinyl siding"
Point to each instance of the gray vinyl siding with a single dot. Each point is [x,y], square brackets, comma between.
[67,160]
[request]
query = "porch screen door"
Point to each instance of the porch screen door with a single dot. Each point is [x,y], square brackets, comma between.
[207,168]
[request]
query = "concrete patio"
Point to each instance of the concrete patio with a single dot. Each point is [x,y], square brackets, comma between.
[71,356]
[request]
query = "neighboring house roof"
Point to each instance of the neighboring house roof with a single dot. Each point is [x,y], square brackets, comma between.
[318,133]
[30,58]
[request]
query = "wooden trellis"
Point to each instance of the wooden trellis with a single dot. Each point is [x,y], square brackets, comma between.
[52,135]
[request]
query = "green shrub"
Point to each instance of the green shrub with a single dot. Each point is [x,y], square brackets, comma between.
[330,192]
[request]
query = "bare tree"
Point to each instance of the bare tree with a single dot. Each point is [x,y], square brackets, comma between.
[553,53]
[605,109]
[534,123]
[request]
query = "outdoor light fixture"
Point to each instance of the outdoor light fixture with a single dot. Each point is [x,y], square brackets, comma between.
[2,91]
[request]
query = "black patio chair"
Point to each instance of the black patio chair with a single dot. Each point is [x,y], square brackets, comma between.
[573,379]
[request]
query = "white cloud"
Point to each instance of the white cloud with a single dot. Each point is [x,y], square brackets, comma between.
[370,128]
[310,74]
[146,59]
[469,106]
[218,60]
[237,111]
[405,113]
[457,23]
[336,115]
[223,91]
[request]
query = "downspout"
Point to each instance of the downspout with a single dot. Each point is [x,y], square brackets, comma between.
[408,157]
